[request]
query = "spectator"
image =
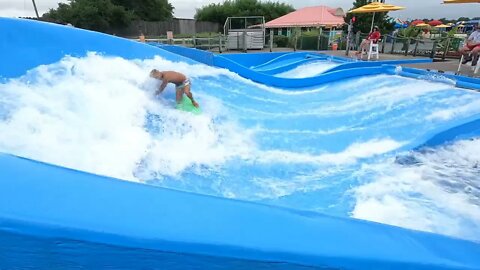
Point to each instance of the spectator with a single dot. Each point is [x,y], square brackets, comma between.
[472,47]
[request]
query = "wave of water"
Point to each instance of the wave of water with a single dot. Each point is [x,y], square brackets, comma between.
[308,70]
[437,190]
[328,148]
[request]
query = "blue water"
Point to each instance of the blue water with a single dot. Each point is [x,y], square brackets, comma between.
[327,149]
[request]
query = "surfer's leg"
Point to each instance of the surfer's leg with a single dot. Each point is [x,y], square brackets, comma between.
[189,95]
[179,95]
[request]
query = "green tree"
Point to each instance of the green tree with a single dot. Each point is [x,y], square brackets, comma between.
[363,21]
[237,8]
[99,15]
[147,10]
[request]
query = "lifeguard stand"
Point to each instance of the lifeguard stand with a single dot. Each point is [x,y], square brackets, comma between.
[245,33]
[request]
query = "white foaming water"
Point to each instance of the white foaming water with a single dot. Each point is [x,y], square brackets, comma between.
[350,155]
[386,96]
[465,105]
[89,114]
[98,114]
[308,70]
[438,193]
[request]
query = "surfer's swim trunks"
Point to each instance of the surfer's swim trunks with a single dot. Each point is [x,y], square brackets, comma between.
[183,85]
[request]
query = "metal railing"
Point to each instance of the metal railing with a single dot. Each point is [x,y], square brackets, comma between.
[437,47]
[203,43]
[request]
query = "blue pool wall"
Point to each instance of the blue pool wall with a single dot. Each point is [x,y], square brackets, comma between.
[44,203]
[239,63]
[26,44]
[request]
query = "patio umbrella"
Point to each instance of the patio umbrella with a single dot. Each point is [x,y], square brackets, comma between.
[375,7]
[460,1]
[422,25]
[417,22]
[435,23]
[442,26]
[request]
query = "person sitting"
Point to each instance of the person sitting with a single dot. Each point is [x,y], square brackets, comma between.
[374,36]
[472,47]
[182,84]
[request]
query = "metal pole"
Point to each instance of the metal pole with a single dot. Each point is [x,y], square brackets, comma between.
[416,47]
[349,33]
[373,20]
[407,47]
[35,7]
[245,48]
[393,44]
[434,48]
[446,49]
[220,37]
[271,39]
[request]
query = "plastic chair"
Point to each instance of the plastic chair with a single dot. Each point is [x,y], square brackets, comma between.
[373,50]
[474,68]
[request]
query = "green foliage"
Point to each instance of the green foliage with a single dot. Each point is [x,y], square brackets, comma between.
[410,32]
[90,14]
[363,21]
[281,41]
[238,8]
[147,10]
[294,36]
[102,15]
[464,19]
[311,33]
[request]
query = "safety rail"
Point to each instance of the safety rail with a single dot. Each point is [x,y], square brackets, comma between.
[436,47]
[204,43]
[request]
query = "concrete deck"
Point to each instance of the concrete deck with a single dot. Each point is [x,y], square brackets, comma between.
[447,66]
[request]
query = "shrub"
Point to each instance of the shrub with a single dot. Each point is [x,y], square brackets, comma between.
[280,41]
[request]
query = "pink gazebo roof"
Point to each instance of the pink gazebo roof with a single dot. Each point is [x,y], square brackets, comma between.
[308,17]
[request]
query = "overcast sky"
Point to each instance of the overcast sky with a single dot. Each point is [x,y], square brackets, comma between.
[186,8]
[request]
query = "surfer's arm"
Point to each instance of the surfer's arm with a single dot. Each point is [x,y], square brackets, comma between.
[162,87]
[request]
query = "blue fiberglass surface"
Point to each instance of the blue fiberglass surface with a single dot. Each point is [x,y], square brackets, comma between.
[24,252]
[341,148]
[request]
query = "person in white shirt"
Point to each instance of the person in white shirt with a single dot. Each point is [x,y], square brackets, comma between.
[472,48]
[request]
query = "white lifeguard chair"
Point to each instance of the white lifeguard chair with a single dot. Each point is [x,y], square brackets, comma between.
[373,50]
[475,69]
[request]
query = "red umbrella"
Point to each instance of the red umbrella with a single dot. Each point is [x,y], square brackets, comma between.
[416,22]
[435,23]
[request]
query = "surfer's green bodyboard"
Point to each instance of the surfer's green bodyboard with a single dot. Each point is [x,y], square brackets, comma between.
[187,106]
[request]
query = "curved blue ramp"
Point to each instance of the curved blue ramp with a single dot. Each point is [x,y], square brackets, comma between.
[53,217]
[263,68]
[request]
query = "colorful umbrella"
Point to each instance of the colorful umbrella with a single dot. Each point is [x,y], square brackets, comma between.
[422,25]
[417,22]
[460,1]
[375,7]
[435,23]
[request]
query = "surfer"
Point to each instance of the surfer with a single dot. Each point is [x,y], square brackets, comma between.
[182,84]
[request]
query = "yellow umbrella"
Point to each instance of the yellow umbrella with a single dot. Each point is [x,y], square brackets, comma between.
[375,7]
[442,26]
[422,25]
[460,1]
